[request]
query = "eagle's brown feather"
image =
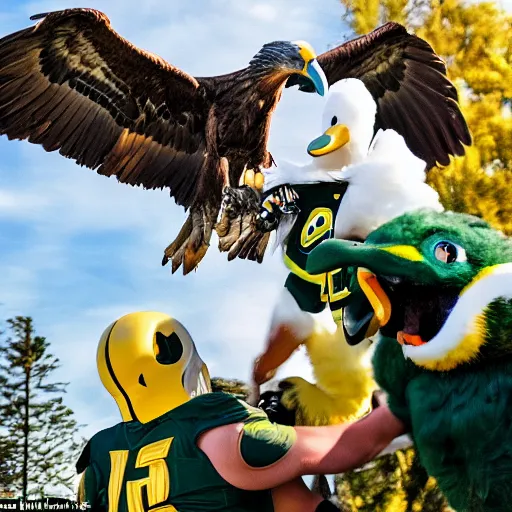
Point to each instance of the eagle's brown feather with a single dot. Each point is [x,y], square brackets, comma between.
[73,84]
[409,84]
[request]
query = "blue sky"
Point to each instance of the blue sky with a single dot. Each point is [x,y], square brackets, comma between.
[79,250]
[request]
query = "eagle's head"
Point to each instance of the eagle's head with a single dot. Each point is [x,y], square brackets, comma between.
[291,58]
[440,283]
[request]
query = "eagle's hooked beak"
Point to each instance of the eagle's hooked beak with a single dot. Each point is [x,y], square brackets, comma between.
[312,69]
[334,138]
[315,73]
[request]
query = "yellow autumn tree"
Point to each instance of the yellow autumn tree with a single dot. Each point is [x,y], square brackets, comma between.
[475,40]
[393,483]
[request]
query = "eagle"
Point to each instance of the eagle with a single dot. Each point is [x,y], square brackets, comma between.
[71,83]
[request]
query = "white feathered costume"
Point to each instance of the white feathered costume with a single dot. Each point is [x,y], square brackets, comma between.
[363,183]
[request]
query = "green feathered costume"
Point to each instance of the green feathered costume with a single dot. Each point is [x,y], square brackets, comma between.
[441,285]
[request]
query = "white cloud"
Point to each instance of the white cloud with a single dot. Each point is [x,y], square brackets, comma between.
[264,12]
[20,205]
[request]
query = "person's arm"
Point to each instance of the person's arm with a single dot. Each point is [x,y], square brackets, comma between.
[314,450]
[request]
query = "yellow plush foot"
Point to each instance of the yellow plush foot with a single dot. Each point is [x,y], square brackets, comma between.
[315,407]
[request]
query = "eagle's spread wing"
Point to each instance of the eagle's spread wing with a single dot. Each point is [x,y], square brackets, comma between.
[73,84]
[408,81]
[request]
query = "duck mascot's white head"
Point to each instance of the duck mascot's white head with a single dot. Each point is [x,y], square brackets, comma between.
[348,122]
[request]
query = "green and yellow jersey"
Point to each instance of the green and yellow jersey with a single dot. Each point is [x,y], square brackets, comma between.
[318,204]
[136,467]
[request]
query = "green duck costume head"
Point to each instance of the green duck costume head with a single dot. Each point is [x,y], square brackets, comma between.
[439,283]
[441,287]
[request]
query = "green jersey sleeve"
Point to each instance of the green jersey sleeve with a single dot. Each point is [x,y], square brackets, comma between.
[262,443]
[93,495]
[392,375]
[217,409]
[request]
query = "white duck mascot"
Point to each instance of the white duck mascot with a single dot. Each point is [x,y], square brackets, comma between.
[354,182]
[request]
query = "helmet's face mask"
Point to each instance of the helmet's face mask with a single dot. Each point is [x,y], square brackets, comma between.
[196,378]
[169,350]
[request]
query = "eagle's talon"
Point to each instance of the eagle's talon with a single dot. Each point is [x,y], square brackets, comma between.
[192,242]
[177,259]
[252,178]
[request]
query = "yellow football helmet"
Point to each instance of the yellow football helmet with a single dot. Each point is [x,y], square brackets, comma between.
[148,362]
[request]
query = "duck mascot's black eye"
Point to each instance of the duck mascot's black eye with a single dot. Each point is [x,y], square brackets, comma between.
[448,252]
[334,121]
[170,348]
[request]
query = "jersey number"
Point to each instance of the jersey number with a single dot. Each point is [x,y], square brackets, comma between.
[157,482]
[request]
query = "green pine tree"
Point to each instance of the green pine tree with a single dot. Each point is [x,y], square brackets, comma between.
[42,433]
[6,453]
